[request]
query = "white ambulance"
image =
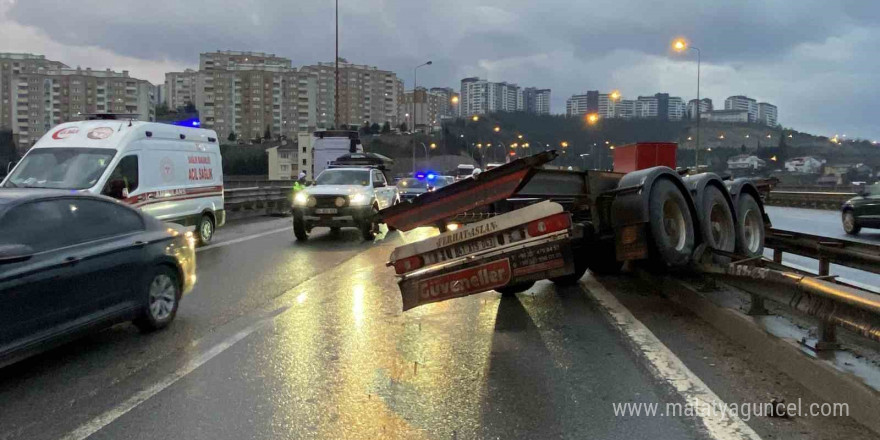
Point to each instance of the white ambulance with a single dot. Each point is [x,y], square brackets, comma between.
[172,172]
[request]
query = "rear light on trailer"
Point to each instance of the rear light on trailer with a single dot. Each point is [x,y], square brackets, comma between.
[408,264]
[546,225]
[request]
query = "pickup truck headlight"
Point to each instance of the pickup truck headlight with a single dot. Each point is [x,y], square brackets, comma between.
[301,199]
[359,199]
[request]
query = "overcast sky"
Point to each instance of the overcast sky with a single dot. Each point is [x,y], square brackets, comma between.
[817,60]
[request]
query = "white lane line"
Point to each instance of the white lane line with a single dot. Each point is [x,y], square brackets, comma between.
[719,425]
[241,239]
[108,417]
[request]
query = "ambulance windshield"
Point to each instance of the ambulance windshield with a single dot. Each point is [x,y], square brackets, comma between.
[67,168]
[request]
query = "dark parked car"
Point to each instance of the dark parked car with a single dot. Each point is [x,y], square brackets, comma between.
[411,188]
[862,211]
[72,263]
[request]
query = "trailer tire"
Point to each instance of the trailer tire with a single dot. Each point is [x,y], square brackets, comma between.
[602,259]
[672,228]
[718,225]
[750,234]
[580,268]
[513,289]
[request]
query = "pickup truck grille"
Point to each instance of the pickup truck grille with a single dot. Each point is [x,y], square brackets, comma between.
[328,201]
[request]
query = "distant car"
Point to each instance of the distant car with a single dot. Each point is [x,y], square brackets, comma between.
[862,211]
[411,188]
[343,197]
[441,181]
[71,263]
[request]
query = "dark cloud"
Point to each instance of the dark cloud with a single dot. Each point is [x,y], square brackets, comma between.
[783,51]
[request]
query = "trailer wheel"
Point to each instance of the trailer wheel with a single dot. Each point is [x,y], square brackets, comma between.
[513,289]
[672,228]
[750,236]
[602,258]
[718,227]
[580,268]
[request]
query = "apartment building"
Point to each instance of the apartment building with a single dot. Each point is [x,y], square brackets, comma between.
[425,114]
[448,102]
[705,108]
[39,94]
[367,94]
[767,114]
[536,100]
[479,96]
[579,105]
[739,102]
[180,88]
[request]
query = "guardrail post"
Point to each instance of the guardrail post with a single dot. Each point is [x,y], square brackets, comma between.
[827,337]
[757,307]
[824,266]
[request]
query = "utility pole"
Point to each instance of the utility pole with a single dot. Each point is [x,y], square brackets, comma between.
[336,100]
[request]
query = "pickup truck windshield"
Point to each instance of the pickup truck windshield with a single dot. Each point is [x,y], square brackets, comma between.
[68,168]
[344,177]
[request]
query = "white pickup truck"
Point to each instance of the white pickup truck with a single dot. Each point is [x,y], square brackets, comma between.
[343,197]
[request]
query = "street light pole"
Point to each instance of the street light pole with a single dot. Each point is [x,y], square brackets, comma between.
[413,128]
[699,104]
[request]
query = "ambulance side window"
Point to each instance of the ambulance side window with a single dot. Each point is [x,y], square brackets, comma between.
[124,178]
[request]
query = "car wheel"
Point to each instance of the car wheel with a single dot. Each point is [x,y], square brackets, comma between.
[162,295]
[299,229]
[849,223]
[369,225]
[205,230]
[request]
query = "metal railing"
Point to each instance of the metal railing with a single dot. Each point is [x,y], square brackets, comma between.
[832,302]
[241,202]
[808,199]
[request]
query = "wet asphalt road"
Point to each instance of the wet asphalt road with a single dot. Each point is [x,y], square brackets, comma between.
[283,340]
[289,340]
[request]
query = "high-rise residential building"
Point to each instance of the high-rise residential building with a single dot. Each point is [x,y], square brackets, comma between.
[536,100]
[607,106]
[646,107]
[448,102]
[767,113]
[479,96]
[705,108]
[247,94]
[739,102]
[625,109]
[675,108]
[579,105]
[425,115]
[367,94]
[180,88]
[39,94]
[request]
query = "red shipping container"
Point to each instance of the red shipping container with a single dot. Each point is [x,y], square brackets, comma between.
[638,156]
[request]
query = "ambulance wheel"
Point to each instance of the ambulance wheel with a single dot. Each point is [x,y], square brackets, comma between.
[299,229]
[513,289]
[205,230]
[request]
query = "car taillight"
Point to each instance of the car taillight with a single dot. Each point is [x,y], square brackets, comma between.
[546,225]
[408,264]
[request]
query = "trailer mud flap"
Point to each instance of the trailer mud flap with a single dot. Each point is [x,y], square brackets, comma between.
[539,262]
[631,242]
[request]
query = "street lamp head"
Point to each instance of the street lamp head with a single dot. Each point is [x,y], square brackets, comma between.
[475,118]
[454,99]
[429,63]
[615,95]
[679,44]
[433,145]
[592,118]
[497,129]
[564,144]
[519,136]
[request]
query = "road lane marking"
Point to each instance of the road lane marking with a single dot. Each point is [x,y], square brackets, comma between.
[108,417]
[241,239]
[670,368]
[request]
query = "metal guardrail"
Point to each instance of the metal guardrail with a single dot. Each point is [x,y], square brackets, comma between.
[808,199]
[257,201]
[833,303]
